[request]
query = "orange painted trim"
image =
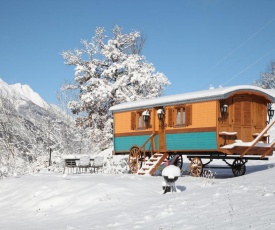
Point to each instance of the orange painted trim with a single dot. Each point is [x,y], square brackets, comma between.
[191,130]
[133,133]
[251,93]
[178,130]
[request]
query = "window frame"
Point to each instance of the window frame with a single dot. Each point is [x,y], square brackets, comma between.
[180,116]
[140,120]
[137,121]
[185,116]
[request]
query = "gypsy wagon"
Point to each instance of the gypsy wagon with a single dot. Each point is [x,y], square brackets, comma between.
[229,123]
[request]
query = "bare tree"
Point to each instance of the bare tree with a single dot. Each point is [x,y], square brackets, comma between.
[75,138]
[267,78]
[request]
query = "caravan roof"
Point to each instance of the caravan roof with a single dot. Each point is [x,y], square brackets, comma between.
[199,96]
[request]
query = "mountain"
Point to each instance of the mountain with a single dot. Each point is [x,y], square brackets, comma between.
[28,101]
[29,128]
[22,92]
[26,92]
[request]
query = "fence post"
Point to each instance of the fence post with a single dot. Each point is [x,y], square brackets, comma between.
[50,160]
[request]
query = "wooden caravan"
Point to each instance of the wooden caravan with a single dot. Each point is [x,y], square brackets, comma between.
[223,123]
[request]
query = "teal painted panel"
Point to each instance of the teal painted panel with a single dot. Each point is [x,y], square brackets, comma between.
[125,143]
[191,141]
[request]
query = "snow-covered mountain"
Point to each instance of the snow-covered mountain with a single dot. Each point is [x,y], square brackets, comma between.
[26,92]
[22,92]
[30,127]
[28,102]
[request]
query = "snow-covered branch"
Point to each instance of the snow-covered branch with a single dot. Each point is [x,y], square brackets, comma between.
[106,73]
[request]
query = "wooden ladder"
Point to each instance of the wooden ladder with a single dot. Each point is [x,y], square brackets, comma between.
[152,164]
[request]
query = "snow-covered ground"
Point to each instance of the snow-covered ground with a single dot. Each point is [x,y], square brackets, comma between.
[51,201]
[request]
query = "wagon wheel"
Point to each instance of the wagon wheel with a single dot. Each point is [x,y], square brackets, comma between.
[238,167]
[141,159]
[178,162]
[133,159]
[196,167]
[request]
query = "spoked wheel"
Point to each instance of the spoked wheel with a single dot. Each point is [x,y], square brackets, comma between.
[133,159]
[238,167]
[196,167]
[141,159]
[178,160]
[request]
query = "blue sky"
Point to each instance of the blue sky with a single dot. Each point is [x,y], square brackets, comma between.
[195,43]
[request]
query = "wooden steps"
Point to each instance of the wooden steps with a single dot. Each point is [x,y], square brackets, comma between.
[151,165]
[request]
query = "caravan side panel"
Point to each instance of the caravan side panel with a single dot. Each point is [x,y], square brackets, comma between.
[123,144]
[191,141]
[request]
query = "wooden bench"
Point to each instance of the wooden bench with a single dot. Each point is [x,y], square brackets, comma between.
[227,135]
[264,138]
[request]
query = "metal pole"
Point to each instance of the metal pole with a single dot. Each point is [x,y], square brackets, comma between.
[50,160]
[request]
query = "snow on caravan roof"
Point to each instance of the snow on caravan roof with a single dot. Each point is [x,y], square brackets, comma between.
[199,96]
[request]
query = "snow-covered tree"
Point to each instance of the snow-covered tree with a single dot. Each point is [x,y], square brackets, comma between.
[267,79]
[14,142]
[28,132]
[109,71]
[75,138]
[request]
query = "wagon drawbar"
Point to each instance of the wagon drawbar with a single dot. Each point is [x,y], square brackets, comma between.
[228,124]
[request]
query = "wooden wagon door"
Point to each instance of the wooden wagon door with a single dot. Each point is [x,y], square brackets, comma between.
[260,115]
[242,117]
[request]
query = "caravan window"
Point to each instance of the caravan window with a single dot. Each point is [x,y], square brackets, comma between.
[180,119]
[180,116]
[138,122]
[141,123]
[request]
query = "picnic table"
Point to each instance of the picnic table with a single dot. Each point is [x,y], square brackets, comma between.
[78,162]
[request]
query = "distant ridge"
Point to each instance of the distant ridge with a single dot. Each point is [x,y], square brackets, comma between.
[24,92]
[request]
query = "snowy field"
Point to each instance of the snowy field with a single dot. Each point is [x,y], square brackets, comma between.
[48,200]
